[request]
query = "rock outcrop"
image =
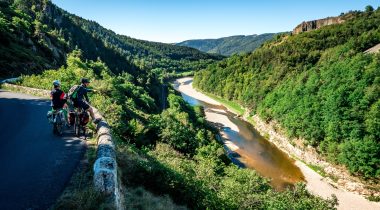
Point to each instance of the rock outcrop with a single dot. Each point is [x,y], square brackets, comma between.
[316,24]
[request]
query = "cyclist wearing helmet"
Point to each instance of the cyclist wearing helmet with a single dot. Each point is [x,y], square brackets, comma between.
[81,95]
[58,97]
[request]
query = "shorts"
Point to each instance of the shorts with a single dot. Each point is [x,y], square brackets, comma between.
[81,104]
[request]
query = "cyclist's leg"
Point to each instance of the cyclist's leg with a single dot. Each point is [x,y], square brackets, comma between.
[88,108]
[91,113]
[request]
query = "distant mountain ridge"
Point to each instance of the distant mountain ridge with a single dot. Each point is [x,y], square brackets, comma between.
[229,45]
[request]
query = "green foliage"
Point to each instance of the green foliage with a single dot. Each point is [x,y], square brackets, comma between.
[139,198]
[124,104]
[361,156]
[318,85]
[207,182]
[181,126]
[298,198]
[369,8]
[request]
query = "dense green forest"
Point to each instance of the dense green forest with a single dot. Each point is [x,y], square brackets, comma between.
[229,45]
[36,35]
[318,85]
[170,152]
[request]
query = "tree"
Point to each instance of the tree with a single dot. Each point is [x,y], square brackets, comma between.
[369,8]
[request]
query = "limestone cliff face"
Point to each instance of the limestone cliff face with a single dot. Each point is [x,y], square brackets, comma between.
[316,24]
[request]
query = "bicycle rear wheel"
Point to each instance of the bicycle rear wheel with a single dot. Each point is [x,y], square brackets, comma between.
[77,125]
[59,125]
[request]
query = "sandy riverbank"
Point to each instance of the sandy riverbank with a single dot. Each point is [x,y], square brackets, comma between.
[315,182]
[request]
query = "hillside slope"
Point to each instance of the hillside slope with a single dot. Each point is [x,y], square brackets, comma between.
[318,85]
[229,45]
[36,35]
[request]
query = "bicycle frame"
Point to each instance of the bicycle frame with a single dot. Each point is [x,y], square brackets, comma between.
[78,127]
[58,121]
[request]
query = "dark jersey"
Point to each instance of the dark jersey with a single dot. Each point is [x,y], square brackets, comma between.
[58,98]
[82,93]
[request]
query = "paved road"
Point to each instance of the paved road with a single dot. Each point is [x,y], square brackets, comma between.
[35,165]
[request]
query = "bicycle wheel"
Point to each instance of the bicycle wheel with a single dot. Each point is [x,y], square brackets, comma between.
[54,124]
[77,125]
[84,132]
[59,124]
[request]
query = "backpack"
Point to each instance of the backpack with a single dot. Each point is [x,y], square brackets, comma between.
[73,92]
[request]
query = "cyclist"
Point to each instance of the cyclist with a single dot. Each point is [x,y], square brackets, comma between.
[58,98]
[81,99]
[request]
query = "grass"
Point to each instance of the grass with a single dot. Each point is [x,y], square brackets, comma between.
[184,74]
[317,169]
[140,174]
[374,198]
[140,198]
[251,120]
[233,106]
[313,167]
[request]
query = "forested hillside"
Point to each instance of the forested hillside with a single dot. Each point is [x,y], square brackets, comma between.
[318,85]
[229,45]
[172,152]
[36,35]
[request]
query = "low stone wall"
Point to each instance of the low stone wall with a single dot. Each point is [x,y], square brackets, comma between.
[27,90]
[105,167]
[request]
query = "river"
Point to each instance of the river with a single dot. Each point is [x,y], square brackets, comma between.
[244,145]
[247,148]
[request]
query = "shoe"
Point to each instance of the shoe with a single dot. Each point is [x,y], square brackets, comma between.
[97,120]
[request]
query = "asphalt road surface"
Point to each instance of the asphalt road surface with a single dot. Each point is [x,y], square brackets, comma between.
[35,165]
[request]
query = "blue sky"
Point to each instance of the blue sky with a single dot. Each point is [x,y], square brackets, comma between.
[178,20]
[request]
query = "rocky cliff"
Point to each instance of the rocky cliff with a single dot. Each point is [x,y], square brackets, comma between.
[316,24]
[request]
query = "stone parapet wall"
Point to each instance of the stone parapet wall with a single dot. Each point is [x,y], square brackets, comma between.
[105,167]
[27,90]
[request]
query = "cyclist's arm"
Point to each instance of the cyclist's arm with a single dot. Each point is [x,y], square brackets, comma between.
[86,96]
[63,97]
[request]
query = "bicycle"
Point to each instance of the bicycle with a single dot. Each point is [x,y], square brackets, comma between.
[57,118]
[81,118]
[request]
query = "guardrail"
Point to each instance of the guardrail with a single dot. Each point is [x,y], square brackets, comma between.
[105,166]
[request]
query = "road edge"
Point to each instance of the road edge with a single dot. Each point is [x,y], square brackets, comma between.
[106,178]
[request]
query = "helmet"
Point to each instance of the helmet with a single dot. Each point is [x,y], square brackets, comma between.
[56,83]
[84,80]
